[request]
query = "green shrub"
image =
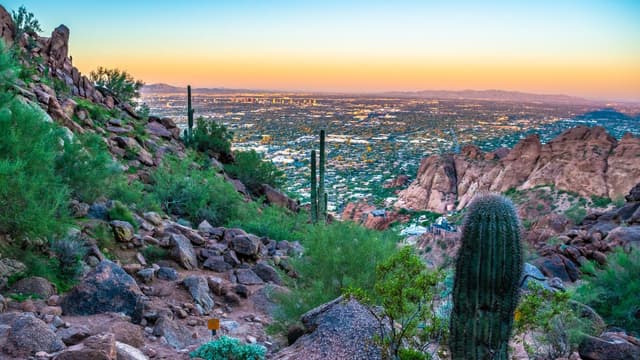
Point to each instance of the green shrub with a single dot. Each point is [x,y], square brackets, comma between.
[599,201]
[576,212]
[33,197]
[154,253]
[195,193]
[253,171]
[8,71]
[86,166]
[405,290]
[209,136]
[39,263]
[69,252]
[412,354]
[120,212]
[329,266]
[117,82]
[230,349]
[96,111]
[274,222]
[616,303]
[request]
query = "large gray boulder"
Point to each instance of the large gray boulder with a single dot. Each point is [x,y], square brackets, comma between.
[340,329]
[183,252]
[107,288]
[25,335]
[199,290]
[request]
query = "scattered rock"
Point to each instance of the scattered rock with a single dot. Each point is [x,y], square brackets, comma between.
[217,264]
[34,285]
[96,347]
[146,275]
[28,335]
[248,277]
[128,352]
[247,245]
[176,335]
[183,252]
[74,335]
[167,273]
[122,230]
[107,288]
[267,273]
[557,265]
[199,290]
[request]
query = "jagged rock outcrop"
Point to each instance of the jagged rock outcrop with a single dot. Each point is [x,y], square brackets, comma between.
[587,161]
[7,27]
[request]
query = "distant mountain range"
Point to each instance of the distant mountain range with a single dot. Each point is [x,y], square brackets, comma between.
[490,95]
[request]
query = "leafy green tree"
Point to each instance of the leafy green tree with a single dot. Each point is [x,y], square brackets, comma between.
[26,22]
[117,82]
[405,290]
[252,170]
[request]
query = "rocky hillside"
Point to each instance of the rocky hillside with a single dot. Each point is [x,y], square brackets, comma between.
[582,160]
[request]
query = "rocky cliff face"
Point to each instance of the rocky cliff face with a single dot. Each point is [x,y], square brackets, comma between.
[587,161]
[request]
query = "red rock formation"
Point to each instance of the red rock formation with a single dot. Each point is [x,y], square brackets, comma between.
[584,160]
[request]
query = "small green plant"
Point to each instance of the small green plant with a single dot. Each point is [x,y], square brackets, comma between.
[554,319]
[273,222]
[600,202]
[229,348]
[405,290]
[120,212]
[117,83]
[69,252]
[252,170]
[576,212]
[154,253]
[96,112]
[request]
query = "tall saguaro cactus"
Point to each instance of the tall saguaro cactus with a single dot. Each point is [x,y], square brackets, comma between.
[485,290]
[318,193]
[189,114]
[314,192]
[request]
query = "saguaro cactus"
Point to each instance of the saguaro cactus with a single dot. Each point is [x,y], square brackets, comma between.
[189,114]
[314,190]
[318,193]
[485,290]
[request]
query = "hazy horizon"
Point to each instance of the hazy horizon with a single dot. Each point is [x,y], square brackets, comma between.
[587,49]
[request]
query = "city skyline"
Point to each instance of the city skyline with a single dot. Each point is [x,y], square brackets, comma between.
[588,49]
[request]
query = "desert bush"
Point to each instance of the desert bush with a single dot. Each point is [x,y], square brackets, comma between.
[209,136]
[252,170]
[154,253]
[274,222]
[96,111]
[117,82]
[405,290]
[599,201]
[554,319]
[616,303]
[229,348]
[120,212]
[576,212]
[329,266]
[69,252]
[33,197]
[86,166]
[187,190]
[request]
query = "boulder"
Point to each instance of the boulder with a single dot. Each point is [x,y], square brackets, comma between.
[610,346]
[556,265]
[128,352]
[624,235]
[183,252]
[177,336]
[167,273]
[267,273]
[28,335]
[277,197]
[122,230]
[340,329]
[96,347]
[199,290]
[217,264]
[107,288]
[153,217]
[248,277]
[7,27]
[34,285]
[74,335]
[158,130]
[634,193]
[246,245]
[58,46]
[9,267]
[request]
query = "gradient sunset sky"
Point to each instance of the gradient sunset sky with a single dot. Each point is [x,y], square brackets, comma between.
[581,47]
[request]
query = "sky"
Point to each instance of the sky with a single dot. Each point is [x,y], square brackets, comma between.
[585,48]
